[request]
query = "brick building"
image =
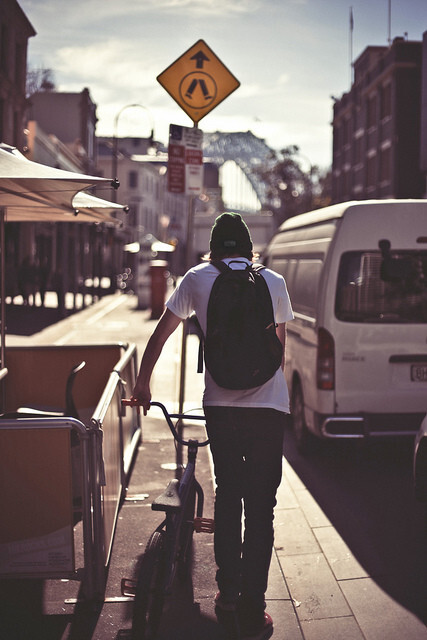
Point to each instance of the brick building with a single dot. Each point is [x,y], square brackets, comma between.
[71,117]
[377,126]
[15,30]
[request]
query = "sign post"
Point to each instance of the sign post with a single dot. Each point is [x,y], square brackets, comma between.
[198,81]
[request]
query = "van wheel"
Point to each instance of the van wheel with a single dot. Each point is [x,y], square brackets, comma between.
[304,439]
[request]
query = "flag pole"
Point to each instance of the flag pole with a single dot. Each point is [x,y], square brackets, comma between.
[351,47]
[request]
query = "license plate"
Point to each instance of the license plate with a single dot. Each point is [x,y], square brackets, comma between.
[419,372]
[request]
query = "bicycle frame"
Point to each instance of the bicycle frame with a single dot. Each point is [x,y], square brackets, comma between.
[176,501]
[173,523]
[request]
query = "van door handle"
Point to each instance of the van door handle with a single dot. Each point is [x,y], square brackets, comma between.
[418,357]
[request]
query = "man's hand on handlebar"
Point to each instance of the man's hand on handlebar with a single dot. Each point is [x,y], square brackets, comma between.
[137,401]
[141,395]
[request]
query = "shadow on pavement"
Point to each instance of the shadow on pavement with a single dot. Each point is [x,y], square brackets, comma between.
[21,612]
[26,320]
[366,490]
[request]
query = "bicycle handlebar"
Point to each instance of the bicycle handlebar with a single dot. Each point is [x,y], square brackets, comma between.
[127,402]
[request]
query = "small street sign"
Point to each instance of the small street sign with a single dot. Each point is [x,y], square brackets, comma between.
[198,81]
[185,163]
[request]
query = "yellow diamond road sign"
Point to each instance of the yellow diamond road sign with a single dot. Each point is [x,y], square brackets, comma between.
[198,81]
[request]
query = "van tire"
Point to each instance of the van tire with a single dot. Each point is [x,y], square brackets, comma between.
[303,438]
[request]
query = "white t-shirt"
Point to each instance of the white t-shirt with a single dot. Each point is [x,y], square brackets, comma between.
[192,295]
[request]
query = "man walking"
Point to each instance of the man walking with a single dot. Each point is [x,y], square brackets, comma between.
[245,428]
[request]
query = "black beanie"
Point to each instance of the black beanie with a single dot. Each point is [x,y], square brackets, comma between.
[229,235]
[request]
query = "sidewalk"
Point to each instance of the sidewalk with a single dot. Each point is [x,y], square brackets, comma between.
[317,590]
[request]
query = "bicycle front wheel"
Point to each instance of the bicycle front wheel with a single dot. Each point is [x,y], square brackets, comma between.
[149,595]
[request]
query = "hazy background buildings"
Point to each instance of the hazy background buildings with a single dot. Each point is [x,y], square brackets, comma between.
[378,147]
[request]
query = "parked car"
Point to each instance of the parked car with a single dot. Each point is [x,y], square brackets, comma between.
[420,462]
[356,354]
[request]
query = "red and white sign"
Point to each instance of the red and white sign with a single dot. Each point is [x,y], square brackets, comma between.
[185,162]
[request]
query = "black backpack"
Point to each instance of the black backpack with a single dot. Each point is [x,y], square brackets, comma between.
[241,348]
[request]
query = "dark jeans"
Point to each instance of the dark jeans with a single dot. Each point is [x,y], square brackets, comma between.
[246,446]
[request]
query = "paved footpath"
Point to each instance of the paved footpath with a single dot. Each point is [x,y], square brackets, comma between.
[317,590]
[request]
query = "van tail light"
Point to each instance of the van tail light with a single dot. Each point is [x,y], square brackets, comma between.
[325,361]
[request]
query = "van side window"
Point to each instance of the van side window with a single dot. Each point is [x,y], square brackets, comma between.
[280,266]
[304,286]
[367,292]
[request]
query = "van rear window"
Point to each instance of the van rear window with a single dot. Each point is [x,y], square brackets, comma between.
[372,289]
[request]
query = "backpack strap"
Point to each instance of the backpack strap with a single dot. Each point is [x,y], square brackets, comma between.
[201,337]
[257,268]
[220,265]
[200,355]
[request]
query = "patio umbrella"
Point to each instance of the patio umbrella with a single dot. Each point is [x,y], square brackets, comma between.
[34,192]
[25,182]
[85,208]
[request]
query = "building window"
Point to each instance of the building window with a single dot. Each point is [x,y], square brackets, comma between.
[385,165]
[336,139]
[371,171]
[132,217]
[346,132]
[20,67]
[1,119]
[386,101]
[3,47]
[17,128]
[133,179]
[358,150]
[347,183]
[372,111]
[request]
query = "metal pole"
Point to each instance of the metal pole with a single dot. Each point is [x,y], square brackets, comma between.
[389,23]
[114,167]
[2,287]
[188,264]
[115,140]
[351,45]
[190,224]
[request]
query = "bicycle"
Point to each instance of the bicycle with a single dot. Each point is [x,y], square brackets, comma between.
[168,550]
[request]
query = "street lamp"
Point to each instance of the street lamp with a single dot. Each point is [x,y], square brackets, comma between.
[115,139]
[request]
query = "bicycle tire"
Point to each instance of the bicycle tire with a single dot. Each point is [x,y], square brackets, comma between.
[185,556]
[149,594]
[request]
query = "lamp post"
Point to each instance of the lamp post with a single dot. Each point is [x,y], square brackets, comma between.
[115,139]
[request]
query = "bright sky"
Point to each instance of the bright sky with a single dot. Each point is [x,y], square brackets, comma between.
[290,57]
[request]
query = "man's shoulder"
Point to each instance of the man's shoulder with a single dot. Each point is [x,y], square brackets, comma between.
[202,268]
[269,273]
[198,274]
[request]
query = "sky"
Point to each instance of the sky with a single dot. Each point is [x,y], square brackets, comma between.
[290,56]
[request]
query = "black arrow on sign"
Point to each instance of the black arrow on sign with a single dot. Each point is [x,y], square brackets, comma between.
[200,58]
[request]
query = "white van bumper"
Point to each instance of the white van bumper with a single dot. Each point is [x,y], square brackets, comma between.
[369,425]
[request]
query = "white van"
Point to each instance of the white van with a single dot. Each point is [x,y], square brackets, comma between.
[356,355]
